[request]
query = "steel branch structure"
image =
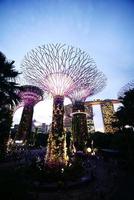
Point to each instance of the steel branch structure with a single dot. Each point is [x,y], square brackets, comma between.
[92,85]
[30,95]
[59,70]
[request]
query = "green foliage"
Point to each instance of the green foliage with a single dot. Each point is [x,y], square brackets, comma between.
[125,137]
[41,139]
[5,124]
[8,86]
[55,173]
[123,142]
[125,113]
[75,171]
[118,141]
[79,129]
[8,98]
[101,140]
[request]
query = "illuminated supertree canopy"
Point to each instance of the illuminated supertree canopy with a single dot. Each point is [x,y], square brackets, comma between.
[92,86]
[125,88]
[59,70]
[29,95]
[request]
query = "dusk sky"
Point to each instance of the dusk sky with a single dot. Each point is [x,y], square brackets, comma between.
[102,28]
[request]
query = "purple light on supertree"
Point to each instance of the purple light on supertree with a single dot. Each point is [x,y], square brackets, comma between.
[29,95]
[92,86]
[58,69]
[125,88]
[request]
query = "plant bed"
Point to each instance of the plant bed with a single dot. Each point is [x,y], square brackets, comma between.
[44,177]
[61,184]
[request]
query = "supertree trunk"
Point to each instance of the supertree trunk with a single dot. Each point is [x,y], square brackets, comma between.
[29,95]
[79,126]
[24,130]
[56,149]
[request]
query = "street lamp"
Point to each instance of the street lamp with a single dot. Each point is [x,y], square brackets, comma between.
[129,145]
[127,126]
[92,148]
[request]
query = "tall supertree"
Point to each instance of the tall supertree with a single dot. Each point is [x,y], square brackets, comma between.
[29,95]
[57,69]
[92,86]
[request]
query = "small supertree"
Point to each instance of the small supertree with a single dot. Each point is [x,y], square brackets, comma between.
[93,85]
[29,95]
[57,69]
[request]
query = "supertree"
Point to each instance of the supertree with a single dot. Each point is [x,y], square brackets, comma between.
[125,88]
[29,95]
[57,69]
[93,85]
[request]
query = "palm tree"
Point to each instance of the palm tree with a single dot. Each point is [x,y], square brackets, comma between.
[8,86]
[8,98]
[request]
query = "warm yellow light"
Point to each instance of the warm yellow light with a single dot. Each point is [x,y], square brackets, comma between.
[89,150]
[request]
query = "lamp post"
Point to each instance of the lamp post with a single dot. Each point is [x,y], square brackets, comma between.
[92,148]
[129,142]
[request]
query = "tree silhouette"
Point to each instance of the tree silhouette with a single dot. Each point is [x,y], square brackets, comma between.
[8,98]
[8,86]
[125,113]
